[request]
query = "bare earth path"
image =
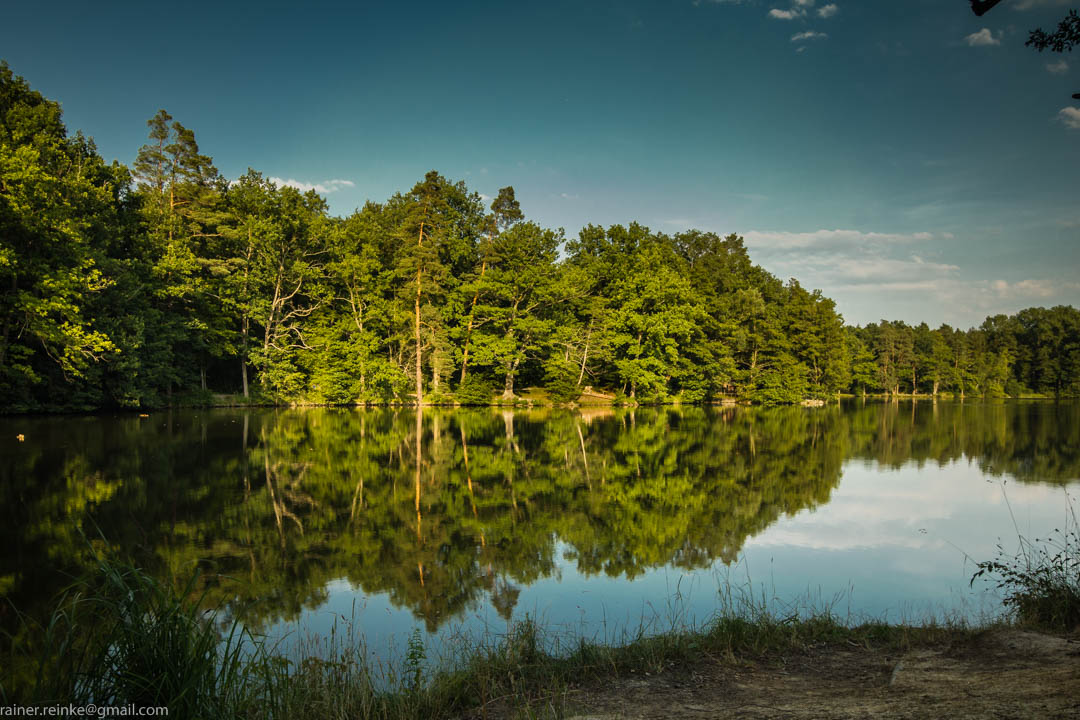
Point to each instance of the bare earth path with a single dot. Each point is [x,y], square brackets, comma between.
[1000,674]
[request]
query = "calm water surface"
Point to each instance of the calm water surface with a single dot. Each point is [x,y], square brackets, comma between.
[592,522]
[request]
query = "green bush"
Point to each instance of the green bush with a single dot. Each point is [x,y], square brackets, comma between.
[1042,581]
[475,391]
[560,381]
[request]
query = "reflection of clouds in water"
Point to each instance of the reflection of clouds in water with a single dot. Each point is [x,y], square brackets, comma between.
[952,508]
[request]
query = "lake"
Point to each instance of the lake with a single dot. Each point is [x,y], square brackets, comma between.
[592,522]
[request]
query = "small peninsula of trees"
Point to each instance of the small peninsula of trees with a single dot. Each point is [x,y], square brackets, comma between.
[126,287]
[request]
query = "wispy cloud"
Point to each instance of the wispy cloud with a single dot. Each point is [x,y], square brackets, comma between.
[827,11]
[324,187]
[1024,288]
[1057,68]
[786,14]
[1070,116]
[808,35]
[1029,4]
[910,273]
[983,38]
[820,239]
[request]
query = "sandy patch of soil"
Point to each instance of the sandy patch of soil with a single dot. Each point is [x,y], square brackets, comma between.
[1000,674]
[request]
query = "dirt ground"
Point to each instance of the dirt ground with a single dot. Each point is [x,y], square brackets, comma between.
[1001,674]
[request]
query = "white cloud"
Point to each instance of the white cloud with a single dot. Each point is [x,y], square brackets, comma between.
[1023,288]
[873,272]
[808,35]
[982,38]
[829,238]
[786,14]
[1029,4]
[324,187]
[804,3]
[827,11]
[1070,116]
[910,274]
[1058,67]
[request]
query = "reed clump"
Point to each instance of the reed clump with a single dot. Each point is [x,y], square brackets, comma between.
[1041,580]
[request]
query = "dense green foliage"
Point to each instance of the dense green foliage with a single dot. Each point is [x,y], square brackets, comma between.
[122,288]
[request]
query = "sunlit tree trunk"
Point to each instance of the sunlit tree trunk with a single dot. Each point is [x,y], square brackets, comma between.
[416,333]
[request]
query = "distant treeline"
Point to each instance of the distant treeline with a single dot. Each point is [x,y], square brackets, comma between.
[128,287]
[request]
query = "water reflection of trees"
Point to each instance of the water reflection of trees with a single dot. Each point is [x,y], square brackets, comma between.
[272,505]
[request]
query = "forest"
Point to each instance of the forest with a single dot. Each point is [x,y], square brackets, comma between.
[165,283]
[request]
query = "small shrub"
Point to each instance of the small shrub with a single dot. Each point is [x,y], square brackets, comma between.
[475,391]
[1042,582]
[560,380]
[414,661]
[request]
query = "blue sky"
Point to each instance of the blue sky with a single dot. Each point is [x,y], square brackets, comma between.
[913,161]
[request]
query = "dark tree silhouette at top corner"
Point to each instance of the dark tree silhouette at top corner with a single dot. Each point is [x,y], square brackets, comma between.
[979,7]
[1061,40]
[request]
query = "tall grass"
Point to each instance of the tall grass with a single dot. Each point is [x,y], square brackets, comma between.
[121,637]
[118,636]
[1041,580]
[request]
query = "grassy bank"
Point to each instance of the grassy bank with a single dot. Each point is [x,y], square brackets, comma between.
[122,637]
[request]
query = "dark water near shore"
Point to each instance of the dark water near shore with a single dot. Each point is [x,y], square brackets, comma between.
[588,521]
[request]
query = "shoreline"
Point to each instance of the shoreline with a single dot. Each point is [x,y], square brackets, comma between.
[523,402]
[745,662]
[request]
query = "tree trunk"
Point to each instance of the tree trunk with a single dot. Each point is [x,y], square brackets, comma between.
[245,321]
[508,384]
[436,370]
[468,330]
[416,327]
[243,357]
[633,383]
[585,355]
